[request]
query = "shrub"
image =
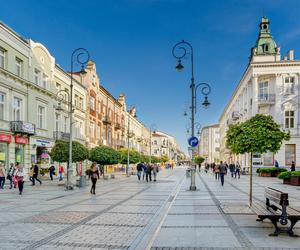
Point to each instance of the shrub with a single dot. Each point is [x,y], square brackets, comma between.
[295,173]
[284,175]
[271,170]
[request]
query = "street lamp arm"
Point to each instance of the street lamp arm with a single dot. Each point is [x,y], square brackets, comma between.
[82,56]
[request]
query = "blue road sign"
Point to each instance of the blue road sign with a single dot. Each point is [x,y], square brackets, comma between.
[193,141]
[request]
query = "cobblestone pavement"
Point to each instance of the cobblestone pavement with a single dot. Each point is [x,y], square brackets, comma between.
[128,214]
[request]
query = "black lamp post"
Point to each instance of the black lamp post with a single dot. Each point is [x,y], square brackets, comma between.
[80,56]
[180,51]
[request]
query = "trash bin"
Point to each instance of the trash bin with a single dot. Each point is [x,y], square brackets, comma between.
[82,181]
[188,172]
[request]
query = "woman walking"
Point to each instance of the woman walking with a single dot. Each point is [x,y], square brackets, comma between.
[155,171]
[217,171]
[2,176]
[20,177]
[10,175]
[94,174]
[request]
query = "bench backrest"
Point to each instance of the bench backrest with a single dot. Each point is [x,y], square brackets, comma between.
[276,196]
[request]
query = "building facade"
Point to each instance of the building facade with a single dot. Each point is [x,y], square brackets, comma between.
[270,85]
[29,81]
[209,143]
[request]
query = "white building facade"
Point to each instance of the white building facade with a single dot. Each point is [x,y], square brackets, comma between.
[270,85]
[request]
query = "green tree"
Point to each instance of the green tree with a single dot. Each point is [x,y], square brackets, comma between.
[104,155]
[199,159]
[164,158]
[155,159]
[60,151]
[134,156]
[145,158]
[260,134]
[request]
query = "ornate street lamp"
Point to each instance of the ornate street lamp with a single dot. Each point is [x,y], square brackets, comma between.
[179,51]
[80,56]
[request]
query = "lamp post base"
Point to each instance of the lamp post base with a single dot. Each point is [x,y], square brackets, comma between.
[193,183]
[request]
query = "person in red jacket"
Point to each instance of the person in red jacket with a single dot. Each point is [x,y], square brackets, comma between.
[61,171]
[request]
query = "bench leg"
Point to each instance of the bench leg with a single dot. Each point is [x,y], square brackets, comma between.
[277,229]
[290,229]
[261,218]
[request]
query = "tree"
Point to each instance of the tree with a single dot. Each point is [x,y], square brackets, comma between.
[199,159]
[260,134]
[134,156]
[104,155]
[164,158]
[60,151]
[144,158]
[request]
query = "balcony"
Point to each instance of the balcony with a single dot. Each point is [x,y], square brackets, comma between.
[117,126]
[235,115]
[106,121]
[59,135]
[266,99]
[22,127]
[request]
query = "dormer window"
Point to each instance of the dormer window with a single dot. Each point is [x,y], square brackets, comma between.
[265,47]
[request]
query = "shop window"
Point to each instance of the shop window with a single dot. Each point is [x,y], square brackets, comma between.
[290,153]
[2,105]
[17,108]
[42,156]
[19,154]
[3,152]
[289,119]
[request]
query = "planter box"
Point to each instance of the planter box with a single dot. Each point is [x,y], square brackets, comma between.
[295,180]
[287,181]
[265,174]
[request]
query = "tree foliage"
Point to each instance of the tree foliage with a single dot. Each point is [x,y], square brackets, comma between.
[134,156]
[104,155]
[155,159]
[164,158]
[260,134]
[144,158]
[60,151]
[199,159]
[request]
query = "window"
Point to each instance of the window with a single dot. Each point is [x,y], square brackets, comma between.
[17,106]
[37,76]
[289,119]
[41,117]
[57,122]
[80,126]
[2,105]
[98,132]
[92,130]
[80,104]
[263,91]
[290,153]
[268,159]
[45,81]
[76,101]
[92,103]
[289,85]
[18,64]
[2,58]
[65,124]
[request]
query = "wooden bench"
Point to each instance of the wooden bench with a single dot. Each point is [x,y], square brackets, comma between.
[277,210]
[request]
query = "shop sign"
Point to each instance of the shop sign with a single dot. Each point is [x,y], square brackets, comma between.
[21,140]
[43,143]
[5,138]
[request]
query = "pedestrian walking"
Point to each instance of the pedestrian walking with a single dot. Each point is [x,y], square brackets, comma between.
[148,172]
[237,170]
[35,175]
[276,164]
[139,168]
[10,175]
[223,171]
[155,171]
[51,172]
[144,171]
[293,166]
[217,171]
[232,169]
[2,175]
[94,174]
[61,171]
[20,177]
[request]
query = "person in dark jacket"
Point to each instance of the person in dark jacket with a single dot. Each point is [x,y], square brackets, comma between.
[139,169]
[35,175]
[94,175]
[51,172]
[232,169]
[148,172]
[293,167]
[223,171]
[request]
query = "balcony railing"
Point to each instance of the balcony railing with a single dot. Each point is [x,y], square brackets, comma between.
[106,120]
[235,115]
[117,126]
[22,127]
[266,99]
[59,135]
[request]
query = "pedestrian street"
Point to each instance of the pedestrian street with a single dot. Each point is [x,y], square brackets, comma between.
[129,214]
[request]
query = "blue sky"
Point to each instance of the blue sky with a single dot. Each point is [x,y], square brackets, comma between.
[131,42]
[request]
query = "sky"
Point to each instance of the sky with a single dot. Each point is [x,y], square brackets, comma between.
[131,42]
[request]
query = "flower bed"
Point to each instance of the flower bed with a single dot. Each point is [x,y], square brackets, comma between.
[292,178]
[270,172]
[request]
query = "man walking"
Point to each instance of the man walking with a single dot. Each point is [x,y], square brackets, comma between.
[35,175]
[10,175]
[237,169]
[139,169]
[232,169]
[223,171]
[148,172]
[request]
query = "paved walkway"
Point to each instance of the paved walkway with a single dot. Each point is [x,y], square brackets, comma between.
[128,214]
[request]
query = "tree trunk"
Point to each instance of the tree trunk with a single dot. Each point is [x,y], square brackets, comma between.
[251,175]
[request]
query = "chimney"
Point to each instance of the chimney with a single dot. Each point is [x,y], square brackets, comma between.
[285,58]
[291,55]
